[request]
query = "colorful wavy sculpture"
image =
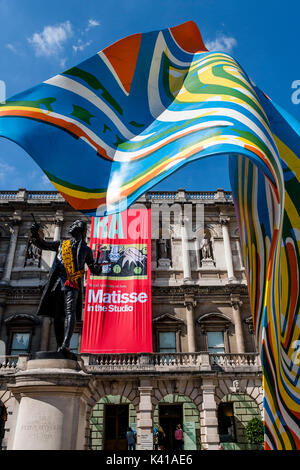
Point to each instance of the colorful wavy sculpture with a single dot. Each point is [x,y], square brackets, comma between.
[110,128]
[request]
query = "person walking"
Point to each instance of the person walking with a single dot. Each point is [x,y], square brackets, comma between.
[130,439]
[179,437]
[161,437]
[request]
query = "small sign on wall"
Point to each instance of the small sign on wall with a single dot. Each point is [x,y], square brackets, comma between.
[189,435]
[146,442]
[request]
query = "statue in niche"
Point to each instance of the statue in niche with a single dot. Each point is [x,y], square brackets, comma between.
[33,255]
[206,248]
[164,252]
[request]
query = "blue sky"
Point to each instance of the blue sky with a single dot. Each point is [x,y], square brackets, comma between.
[40,39]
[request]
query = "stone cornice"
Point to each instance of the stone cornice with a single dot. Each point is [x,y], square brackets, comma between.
[199,290]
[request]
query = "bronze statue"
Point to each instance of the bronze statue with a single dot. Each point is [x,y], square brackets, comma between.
[63,293]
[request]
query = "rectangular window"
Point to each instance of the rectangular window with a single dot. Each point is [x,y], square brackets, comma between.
[167,342]
[20,343]
[215,340]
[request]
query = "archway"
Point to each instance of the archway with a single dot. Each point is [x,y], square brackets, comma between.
[235,411]
[109,420]
[175,409]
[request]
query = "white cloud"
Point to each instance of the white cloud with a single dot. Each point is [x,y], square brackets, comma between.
[62,62]
[11,47]
[222,43]
[6,171]
[92,24]
[80,46]
[46,183]
[50,41]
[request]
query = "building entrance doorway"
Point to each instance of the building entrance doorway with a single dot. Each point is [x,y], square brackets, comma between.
[116,423]
[169,417]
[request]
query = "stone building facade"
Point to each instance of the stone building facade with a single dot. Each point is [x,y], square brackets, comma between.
[204,373]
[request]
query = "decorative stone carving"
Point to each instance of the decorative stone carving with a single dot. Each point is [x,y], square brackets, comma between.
[235,386]
[249,323]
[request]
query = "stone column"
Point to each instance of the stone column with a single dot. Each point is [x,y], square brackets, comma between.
[144,418]
[238,243]
[15,226]
[185,252]
[2,310]
[228,253]
[190,323]
[52,396]
[209,415]
[235,304]
[59,218]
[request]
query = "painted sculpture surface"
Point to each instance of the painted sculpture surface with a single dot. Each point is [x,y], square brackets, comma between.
[109,129]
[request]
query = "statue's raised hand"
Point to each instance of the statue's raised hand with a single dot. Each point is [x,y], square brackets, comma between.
[35,227]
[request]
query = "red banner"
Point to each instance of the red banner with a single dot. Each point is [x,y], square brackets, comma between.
[117,315]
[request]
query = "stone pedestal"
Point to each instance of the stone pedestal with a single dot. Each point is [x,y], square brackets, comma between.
[207,263]
[164,263]
[52,394]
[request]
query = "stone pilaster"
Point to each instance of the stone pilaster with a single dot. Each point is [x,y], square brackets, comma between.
[53,396]
[227,247]
[145,414]
[59,219]
[190,323]
[197,250]
[240,343]
[185,252]
[209,415]
[14,227]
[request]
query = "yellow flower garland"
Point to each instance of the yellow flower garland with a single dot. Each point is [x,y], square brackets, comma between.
[67,256]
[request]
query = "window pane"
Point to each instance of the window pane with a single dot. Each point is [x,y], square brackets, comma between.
[20,343]
[215,341]
[167,341]
[74,343]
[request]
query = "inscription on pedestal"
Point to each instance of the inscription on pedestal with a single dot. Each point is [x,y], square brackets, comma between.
[41,429]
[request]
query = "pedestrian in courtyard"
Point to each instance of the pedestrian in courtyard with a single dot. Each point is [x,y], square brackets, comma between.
[130,436]
[179,437]
[161,437]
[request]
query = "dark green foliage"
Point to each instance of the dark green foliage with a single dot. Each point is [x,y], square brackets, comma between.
[255,431]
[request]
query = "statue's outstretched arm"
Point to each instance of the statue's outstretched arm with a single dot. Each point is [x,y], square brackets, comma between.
[38,241]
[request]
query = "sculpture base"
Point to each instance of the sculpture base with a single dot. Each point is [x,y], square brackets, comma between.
[53,355]
[164,263]
[207,263]
[53,394]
